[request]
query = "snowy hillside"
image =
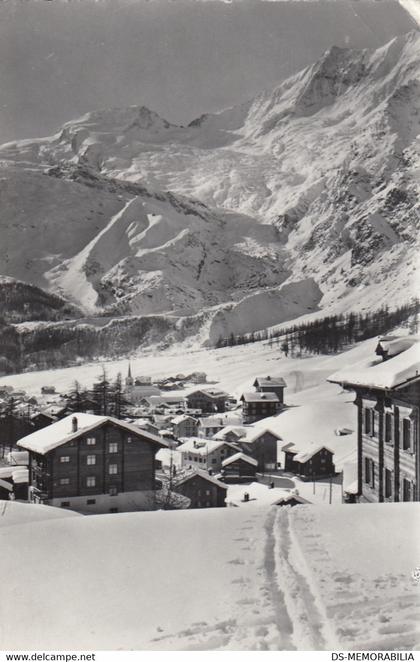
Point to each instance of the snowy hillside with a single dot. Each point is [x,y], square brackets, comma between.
[224,579]
[311,187]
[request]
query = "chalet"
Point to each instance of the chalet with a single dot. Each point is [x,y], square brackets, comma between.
[310,462]
[261,444]
[92,464]
[210,425]
[232,433]
[271,385]
[135,394]
[203,490]
[41,419]
[256,406]
[239,466]
[156,402]
[205,453]
[388,402]
[208,400]
[184,426]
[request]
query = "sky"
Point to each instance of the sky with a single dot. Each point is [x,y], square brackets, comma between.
[180,58]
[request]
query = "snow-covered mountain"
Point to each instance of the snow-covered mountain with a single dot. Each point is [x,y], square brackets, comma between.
[304,197]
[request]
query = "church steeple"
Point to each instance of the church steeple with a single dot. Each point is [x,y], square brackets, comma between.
[129,379]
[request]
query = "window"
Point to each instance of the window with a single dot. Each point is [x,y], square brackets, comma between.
[113,510]
[198,492]
[113,469]
[90,502]
[64,481]
[388,428]
[373,432]
[90,441]
[129,440]
[65,458]
[91,481]
[91,459]
[113,447]
[388,483]
[214,461]
[113,491]
[64,504]
[207,492]
[367,421]
[406,434]
[406,490]
[367,470]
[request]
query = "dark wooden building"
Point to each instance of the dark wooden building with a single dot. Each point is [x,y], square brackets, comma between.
[203,490]
[239,466]
[208,400]
[256,406]
[388,402]
[312,462]
[271,385]
[92,464]
[261,444]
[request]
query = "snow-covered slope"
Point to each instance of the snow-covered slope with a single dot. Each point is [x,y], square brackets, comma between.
[314,183]
[317,578]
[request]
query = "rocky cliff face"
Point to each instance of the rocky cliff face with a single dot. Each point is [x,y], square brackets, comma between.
[312,187]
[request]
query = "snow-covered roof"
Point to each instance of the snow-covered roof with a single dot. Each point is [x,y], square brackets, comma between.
[201,474]
[277,382]
[18,457]
[181,418]
[240,456]
[5,485]
[260,397]
[290,497]
[394,345]
[202,446]
[212,421]
[213,393]
[238,430]
[59,433]
[306,454]
[393,373]
[6,472]
[255,433]
[20,475]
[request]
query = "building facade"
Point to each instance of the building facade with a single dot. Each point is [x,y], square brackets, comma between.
[92,466]
[388,402]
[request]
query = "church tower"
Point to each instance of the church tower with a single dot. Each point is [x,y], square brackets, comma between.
[129,381]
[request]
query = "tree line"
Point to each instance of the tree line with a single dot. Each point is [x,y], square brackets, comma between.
[332,333]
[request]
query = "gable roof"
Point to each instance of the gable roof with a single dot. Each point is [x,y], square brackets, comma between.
[203,446]
[260,397]
[201,474]
[255,433]
[278,382]
[240,456]
[212,393]
[59,433]
[396,372]
[306,454]
[181,418]
[290,497]
[238,430]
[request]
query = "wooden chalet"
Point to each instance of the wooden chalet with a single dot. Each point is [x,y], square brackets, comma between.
[205,454]
[92,464]
[388,404]
[203,490]
[271,385]
[259,405]
[209,400]
[184,426]
[239,467]
[311,462]
[261,444]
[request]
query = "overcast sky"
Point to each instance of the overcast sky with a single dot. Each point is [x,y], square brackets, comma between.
[181,58]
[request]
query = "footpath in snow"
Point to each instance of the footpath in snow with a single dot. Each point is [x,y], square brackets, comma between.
[222,579]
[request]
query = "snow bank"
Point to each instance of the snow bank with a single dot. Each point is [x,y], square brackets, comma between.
[229,579]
